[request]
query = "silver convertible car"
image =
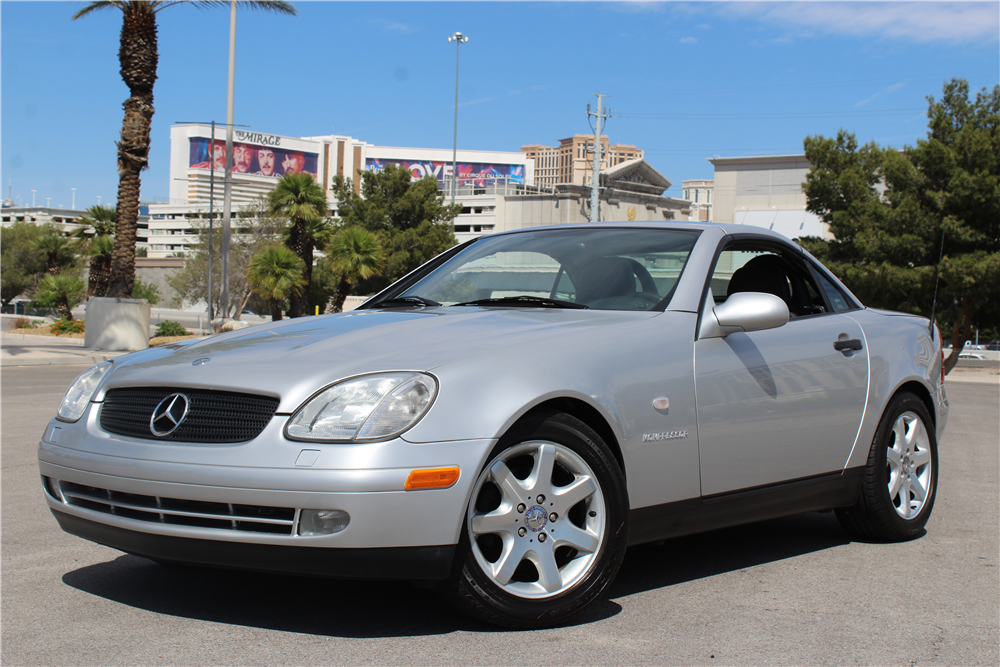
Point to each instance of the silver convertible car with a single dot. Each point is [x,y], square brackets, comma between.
[508,418]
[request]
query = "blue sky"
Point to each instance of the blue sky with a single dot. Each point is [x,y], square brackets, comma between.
[686,81]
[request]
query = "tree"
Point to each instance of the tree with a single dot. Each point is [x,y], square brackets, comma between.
[58,250]
[101,250]
[355,255]
[97,228]
[63,290]
[99,221]
[893,214]
[21,263]
[409,218]
[277,273]
[253,228]
[138,57]
[299,198]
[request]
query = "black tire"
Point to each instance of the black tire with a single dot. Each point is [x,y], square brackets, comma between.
[879,515]
[538,597]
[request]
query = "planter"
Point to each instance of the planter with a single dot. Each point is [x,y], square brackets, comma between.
[117,324]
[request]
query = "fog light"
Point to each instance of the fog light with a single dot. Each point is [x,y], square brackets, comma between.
[322,522]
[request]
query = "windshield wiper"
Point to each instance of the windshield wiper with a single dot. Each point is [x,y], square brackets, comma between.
[404,301]
[529,301]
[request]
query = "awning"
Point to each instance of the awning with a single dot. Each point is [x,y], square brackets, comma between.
[792,223]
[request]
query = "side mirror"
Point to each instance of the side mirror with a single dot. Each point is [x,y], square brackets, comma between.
[744,311]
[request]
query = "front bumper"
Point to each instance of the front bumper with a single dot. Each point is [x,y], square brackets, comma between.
[412,563]
[169,501]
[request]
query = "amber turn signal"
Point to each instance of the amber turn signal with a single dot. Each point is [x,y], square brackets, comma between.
[432,478]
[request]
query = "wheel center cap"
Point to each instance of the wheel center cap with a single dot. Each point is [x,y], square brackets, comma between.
[535,518]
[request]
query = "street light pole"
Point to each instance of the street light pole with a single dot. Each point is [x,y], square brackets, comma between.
[211,216]
[33,198]
[227,195]
[73,205]
[459,39]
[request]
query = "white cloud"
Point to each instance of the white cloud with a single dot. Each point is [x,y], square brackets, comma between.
[481,100]
[401,28]
[885,91]
[916,21]
[688,40]
[638,6]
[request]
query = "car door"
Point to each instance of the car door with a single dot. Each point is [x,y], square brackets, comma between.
[783,403]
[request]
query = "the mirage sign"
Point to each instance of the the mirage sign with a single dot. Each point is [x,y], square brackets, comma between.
[261,159]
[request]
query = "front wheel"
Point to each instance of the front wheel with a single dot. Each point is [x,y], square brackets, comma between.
[546,527]
[900,478]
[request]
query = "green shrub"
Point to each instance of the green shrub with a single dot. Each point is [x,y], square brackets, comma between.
[23,323]
[64,326]
[171,328]
[147,291]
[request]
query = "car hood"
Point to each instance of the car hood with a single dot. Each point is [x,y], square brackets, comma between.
[292,359]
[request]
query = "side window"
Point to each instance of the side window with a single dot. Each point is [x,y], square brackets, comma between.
[760,268]
[838,301]
[730,262]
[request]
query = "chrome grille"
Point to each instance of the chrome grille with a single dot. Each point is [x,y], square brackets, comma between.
[213,416]
[201,514]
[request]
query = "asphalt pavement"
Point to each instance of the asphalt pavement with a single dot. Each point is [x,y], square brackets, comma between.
[792,591]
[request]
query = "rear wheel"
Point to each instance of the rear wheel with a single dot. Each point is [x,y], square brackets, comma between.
[545,531]
[900,479]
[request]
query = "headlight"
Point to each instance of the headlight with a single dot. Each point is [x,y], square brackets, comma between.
[74,403]
[366,408]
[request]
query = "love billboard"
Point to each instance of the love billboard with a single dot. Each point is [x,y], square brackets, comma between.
[469,173]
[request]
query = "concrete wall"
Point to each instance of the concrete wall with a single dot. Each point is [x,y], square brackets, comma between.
[154,272]
[758,183]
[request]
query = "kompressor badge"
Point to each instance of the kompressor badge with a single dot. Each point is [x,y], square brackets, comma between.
[665,435]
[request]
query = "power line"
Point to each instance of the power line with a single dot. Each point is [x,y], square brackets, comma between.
[770,116]
[800,85]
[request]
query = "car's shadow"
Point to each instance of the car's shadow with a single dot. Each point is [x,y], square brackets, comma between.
[388,609]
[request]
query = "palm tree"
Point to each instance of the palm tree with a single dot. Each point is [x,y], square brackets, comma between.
[99,227]
[64,290]
[355,254]
[99,221]
[298,197]
[138,58]
[276,273]
[101,251]
[59,250]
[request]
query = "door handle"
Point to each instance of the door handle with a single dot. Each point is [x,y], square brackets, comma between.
[852,344]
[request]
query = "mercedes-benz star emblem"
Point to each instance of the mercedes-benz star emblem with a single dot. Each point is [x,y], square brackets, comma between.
[169,414]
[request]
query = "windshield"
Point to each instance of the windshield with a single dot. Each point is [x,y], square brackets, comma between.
[602,269]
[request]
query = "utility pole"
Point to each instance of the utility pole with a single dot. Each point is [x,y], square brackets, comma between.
[211,216]
[227,191]
[595,189]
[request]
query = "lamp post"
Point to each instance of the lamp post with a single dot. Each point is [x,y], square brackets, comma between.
[227,189]
[73,205]
[33,198]
[459,39]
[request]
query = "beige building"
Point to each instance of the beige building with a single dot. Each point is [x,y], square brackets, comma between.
[699,193]
[572,161]
[630,191]
[765,191]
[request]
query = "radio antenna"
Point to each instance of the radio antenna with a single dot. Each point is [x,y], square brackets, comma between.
[937,276]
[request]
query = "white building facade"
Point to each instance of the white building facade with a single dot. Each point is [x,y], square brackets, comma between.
[699,193]
[259,160]
[765,191]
